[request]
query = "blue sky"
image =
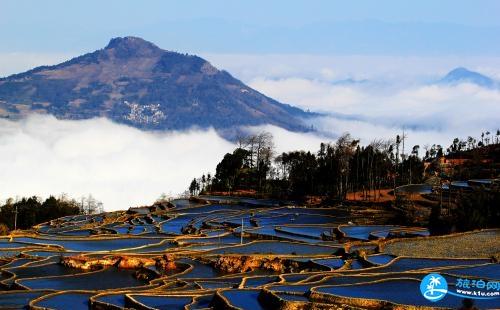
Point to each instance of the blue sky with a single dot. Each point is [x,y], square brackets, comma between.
[322,27]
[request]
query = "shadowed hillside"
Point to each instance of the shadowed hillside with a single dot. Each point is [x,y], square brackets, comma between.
[133,81]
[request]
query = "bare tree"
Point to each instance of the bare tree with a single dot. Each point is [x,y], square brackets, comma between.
[90,205]
[345,147]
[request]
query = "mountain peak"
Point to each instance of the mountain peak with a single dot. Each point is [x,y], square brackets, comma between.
[133,81]
[464,75]
[126,46]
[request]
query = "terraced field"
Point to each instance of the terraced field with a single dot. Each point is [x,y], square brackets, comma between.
[229,253]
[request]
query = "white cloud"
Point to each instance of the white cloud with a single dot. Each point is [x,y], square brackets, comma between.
[308,94]
[399,70]
[119,165]
[430,113]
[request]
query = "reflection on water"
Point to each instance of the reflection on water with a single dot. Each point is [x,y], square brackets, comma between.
[227,252]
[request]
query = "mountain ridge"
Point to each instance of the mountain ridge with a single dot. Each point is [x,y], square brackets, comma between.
[133,81]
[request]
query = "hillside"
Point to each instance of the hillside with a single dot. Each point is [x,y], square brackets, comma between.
[133,81]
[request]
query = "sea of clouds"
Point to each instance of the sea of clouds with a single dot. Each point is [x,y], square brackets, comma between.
[370,97]
[119,165]
[376,97]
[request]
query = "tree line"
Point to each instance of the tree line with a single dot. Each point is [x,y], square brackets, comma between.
[26,212]
[461,145]
[333,171]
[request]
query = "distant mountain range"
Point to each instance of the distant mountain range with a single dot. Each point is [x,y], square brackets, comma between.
[463,75]
[134,82]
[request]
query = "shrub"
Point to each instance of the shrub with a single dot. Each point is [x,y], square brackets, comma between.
[4,230]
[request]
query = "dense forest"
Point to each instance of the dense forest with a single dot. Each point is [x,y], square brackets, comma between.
[28,211]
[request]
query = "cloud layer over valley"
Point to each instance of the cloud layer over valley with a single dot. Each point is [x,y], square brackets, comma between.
[119,165]
[374,97]
[370,97]
[430,113]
